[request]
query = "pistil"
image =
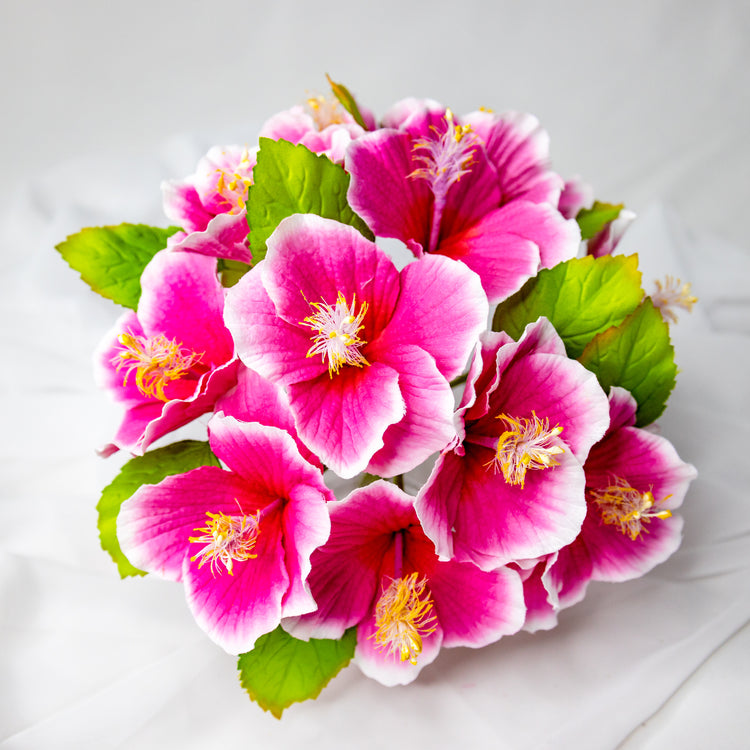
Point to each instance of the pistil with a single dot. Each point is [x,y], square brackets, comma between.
[526,444]
[337,330]
[627,507]
[445,158]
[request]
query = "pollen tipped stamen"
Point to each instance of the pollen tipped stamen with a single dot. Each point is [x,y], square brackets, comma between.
[404,615]
[672,294]
[336,336]
[445,157]
[627,507]
[227,539]
[526,444]
[156,361]
[233,186]
[325,111]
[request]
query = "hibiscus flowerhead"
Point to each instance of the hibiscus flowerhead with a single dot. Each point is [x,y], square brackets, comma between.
[168,362]
[380,572]
[239,539]
[512,485]
[364,351]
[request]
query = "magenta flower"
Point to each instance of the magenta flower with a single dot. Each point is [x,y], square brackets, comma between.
[380,572]
[168,363]
[364,351]
[210,205]
[239,539]
[321,124]
[478,191]
[511,487]
[634,480]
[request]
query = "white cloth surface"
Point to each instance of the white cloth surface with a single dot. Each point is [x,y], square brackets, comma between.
[649,104]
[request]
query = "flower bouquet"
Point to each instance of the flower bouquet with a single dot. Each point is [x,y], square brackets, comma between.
[427,384]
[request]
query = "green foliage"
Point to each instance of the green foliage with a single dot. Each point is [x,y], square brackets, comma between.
[581,298]
[231,271]
[282,670]
[150,468]
[291,179]
[637,355]
[593,220]
[348,102]
[111,259]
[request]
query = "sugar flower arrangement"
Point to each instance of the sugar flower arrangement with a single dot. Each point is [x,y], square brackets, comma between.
[271,311]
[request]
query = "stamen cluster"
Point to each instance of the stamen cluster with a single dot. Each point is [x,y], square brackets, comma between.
[404,614]
[627,508]
[157,361]
[227,539]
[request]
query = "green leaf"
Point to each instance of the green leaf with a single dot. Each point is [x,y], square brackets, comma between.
[291,179]
[231,271]
[593,220]
[111,259]
[581,297]
[150,468]
[637,355]
[282,670]
[348,102]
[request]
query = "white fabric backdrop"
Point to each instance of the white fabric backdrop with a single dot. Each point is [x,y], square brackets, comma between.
[650,103]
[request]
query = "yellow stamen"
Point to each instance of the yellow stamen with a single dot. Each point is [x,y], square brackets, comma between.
[626,507]
[404,615]
[325,111]
[526,444]
[673,293]
[157,361]
[337,333]
[227,539]
[233,186]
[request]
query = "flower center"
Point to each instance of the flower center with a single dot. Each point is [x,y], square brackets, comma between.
[403,615]
[227,539]
[325,112]
[233,186]
[337,330]
[445,158]
[157,361]
[525,444]
[627,508]
[672,293]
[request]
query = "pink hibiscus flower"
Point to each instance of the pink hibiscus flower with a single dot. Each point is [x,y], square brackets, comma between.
[634,480]
[511,486]
[380,572]
[239,539]
[210,204]
[169,362]
[364,351]
[321,124]
[478,191]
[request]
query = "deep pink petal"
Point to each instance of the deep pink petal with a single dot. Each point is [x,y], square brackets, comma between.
[381,191]
[182,204]
[442,309]
[266,457]
[474,607]
[256,399]
[346,571]
[154,525]
[519,149]
[311,259]
[473,515]
[576,194]
[225,236]
[427,426]
[235,610]
[342,417]
[183,299]
[265,343]
[541,602]
[503,260]
[554,388]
